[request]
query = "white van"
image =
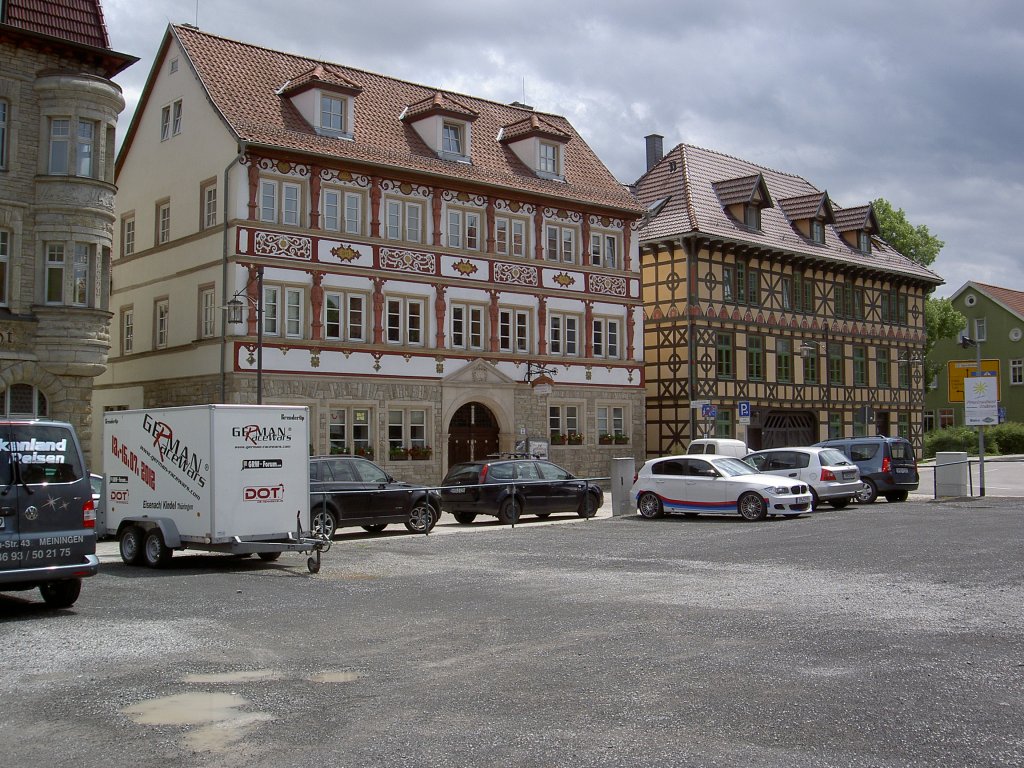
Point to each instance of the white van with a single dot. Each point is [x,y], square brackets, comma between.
[723,446]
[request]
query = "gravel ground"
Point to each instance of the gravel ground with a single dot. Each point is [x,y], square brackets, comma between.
[889,635]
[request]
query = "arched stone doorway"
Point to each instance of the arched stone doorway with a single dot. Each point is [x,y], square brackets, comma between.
[472,433]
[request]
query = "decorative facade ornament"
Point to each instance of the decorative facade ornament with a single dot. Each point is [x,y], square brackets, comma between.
[516,274]
[464,267]
[564,279]
[344,253]
[609,285]
[281,245]
[407,261]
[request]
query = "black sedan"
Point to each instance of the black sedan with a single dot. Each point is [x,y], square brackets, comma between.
[510,488]
[347,491]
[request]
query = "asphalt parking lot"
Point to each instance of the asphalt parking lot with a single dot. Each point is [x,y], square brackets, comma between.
[888,635]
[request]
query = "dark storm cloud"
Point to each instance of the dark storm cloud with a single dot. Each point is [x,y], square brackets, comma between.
[918,102]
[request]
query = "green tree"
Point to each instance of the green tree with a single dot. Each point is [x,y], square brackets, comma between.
[916,243]
[941,319]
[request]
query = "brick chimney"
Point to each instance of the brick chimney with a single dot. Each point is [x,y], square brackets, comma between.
[655,149]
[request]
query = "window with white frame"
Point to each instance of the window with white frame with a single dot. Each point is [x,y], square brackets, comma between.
[514,330]
[403,220]
[208,204]
[207,312]
[611,420]
[5,261]
[403,321]
[280,202]
[60,146]
[467,326]
[163,222]
[561,244]
[5,119]
[127,330]
[80,271]
[294,304]
[170,120]
[980,329]
[350,432]
[55,273]
[453,139]
[1017,371]
[332,114]
[945,418]
[271,310]
[606,337]
[550,160]
[161,322]
[128,235]
[176,118]
[463,229]
[563,334]
[604,250]
[564,420]
[818,231]
[510,236]
[344,316]
[407,428]
[342,211]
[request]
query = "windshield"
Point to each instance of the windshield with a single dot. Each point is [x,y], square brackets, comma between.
[733,467]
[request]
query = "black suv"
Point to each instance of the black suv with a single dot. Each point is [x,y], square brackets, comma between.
[47,515]
[346,491]
[512,487]
[887,465]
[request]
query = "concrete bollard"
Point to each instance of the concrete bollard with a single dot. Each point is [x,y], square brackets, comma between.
[622,474]
[951,474]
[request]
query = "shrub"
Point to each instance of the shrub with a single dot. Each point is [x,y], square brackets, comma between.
[1009,436]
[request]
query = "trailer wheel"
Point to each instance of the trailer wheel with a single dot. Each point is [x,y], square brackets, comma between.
[156,553]
[268,557]
[130,545]
[313,564]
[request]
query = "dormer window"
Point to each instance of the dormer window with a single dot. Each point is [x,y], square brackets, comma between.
[818,231]
[326,100]
[865,242]
[452,139]
[752,216]
[549,159]
[539,144]
[444,123]
[856,225]
[332,114]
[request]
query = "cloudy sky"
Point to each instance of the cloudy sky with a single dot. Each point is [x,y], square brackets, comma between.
[917,101]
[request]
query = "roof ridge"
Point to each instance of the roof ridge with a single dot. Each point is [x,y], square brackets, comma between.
[691,209]
[276,51]
[747,162]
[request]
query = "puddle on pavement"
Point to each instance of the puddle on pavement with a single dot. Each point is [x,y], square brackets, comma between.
[220,717]
[246,676]
[336,676]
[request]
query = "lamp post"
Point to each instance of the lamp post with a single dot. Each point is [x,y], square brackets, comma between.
[539,378]
[966,342]
[809,349]
[235,307]
[912,360]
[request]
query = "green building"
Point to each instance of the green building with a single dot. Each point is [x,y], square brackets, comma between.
[995,319]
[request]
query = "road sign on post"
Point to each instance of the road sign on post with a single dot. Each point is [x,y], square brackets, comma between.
[744,411]
[709,411]
[981,399]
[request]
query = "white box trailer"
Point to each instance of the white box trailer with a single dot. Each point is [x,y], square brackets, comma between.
[221,478]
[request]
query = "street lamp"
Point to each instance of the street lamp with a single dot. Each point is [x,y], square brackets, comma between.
[809,350]
[539,378]
[235,307]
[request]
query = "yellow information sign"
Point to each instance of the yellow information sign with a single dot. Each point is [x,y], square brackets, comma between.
[958,370]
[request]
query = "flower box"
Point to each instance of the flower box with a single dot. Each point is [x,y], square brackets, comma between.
[366,453]
[420,454]
[398,454]
[574,438]
[604,439]
[621,439]
[557,438]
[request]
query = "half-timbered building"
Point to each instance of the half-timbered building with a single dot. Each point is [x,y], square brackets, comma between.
[771,313]
[412,262]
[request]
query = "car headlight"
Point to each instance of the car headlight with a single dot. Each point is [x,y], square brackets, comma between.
[778,490]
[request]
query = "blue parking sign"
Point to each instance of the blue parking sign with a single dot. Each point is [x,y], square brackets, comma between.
[744,409]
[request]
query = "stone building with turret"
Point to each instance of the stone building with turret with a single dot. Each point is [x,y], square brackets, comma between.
[58,112]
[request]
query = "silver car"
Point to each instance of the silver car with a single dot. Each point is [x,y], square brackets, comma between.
[832,477]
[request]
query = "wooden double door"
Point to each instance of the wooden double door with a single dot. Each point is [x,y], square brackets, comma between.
[472,434]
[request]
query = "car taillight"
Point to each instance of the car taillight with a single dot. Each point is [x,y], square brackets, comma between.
[827,474]
[886,465]
[483,473]
[89,514]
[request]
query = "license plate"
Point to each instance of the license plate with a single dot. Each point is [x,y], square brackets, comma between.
[901,470]
[849,475]
[455,490]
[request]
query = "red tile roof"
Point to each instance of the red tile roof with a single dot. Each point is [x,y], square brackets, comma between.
[80,21]
[242,81]
[322,77]
[1012,300]
[854,218]
[438,104]
[688,175]
[734,191]
[532,126]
